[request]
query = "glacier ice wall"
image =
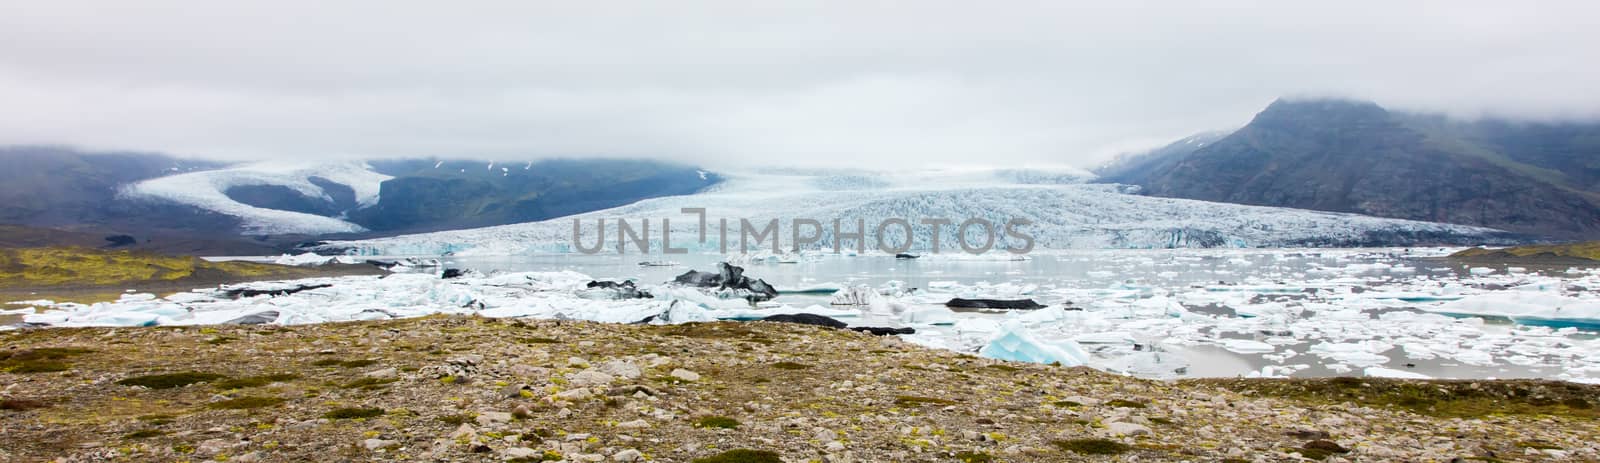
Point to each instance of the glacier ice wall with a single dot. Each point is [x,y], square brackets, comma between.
[1064,215]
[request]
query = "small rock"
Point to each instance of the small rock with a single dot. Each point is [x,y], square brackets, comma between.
[488,418]
[577,362]
[621,369]
[520,452]
[588,378]
[685,375]
[635,424]
[386,373]
[826,435]
[834,447]
[378,444]
[628,455]
[1127,429]
[575,394]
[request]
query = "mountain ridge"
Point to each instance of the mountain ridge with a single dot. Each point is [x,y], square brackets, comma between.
[1357,157]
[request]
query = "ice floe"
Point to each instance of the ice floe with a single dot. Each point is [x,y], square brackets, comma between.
[1295,312]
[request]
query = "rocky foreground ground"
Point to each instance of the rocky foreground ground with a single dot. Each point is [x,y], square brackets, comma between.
[475,389]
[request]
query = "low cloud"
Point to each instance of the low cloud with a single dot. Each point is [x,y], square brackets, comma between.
[876,84]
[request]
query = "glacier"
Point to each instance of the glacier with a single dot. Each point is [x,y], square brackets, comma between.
[206,190]
[1065,214]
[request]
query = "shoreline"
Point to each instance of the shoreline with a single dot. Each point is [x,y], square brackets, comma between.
[481,389]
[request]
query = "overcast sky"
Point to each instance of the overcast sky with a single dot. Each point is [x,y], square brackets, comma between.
[720,83]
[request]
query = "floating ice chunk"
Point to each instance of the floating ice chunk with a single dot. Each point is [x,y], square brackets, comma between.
[855,295]
[1016,343]
[1380,372]
[1361,354]
[307,259]
[936,315]
[1527,307]
[1045,315]
[1247,346]
[1480,270]
[1160,365]
[757,314]
[1109,337]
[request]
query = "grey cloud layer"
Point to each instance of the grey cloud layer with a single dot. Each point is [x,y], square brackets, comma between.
[880,83]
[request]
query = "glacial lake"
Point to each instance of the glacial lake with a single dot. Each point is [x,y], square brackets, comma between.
[1245,312]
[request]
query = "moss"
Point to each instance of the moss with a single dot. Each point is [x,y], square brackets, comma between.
[144,434]
[352,413]
[41,360]
[1120,403]
[1160,420]
[1091,446]
[369,383]
[345,363]
[1066,404]
[1004,367]
[974,457]
[157,420]
[548,455]
[21,404]
[539,340]
[170,380]
[721,422]
[1438,398]
[245,403]
[1538,445]
[254,381]
[1320,449]
[1313,454]
[36,366]
[34,267]
[913,401]
[715,330]
[790,366]
[1585,250]
[742,456]
[456,419]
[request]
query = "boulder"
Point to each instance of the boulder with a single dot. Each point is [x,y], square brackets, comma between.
[258,318]
[1013,304]
[806,319]
[729,278]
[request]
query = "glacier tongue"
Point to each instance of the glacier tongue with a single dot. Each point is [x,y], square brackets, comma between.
[207,190]
[1063,215]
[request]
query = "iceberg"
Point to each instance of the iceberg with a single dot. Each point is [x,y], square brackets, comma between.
[1017,344]
[1380,372]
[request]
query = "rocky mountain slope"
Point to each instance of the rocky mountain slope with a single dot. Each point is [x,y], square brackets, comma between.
[1348,156]
[208,207]
[474,389]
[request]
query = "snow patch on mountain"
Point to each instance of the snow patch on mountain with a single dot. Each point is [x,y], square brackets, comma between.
[1063,216]
[207,190]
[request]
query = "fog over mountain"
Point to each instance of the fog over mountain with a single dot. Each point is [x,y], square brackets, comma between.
[716,83]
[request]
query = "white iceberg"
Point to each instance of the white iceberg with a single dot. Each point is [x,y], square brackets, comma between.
[1017,344]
